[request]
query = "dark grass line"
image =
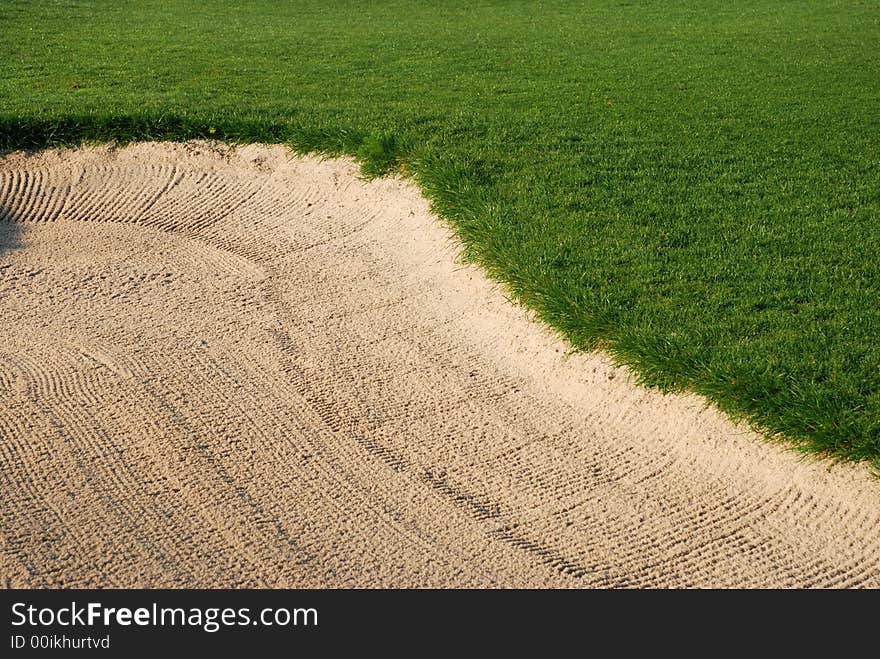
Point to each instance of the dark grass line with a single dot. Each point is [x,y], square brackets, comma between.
[30,133]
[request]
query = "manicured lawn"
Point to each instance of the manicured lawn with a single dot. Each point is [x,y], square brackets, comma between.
[694,186]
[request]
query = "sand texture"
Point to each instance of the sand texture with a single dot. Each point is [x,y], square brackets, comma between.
[232,367]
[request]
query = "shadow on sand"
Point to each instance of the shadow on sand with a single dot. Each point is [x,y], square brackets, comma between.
[10,232]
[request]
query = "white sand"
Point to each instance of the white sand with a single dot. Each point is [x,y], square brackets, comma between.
[227,367]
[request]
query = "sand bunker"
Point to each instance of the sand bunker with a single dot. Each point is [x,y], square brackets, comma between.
[228,367]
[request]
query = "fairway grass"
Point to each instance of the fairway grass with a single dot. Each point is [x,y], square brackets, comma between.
[693,187]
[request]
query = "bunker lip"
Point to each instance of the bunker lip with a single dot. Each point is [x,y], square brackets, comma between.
[228,366]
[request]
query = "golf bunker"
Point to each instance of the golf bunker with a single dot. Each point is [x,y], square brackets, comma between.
[234,367]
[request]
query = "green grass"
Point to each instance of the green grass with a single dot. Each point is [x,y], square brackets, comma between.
[693,186]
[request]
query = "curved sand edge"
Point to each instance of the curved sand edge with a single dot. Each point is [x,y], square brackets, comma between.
[229,367]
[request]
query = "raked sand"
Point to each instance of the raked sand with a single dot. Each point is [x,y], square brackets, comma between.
[232,367]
